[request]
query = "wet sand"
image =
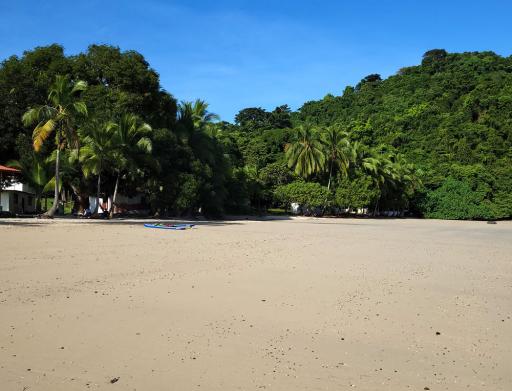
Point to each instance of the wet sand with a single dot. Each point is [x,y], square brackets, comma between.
[301,304]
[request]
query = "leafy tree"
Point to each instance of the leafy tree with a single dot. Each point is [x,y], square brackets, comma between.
[275,174]
[264,148]
[24,82]
[252,118]
[456,200]
[434,55]
[123,82]
[280,117]
[357,193]
[256,119]
[309,195]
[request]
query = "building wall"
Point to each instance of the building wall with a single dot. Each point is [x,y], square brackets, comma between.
[103,207]
[123,203]
[5,201]
[18,186]
[17,202]
[18,198]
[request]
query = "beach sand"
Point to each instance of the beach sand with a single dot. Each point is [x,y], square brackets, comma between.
[292,304]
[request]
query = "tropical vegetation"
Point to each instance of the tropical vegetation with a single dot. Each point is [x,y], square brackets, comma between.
[433,140]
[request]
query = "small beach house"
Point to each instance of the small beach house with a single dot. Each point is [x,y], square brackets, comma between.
[16,197]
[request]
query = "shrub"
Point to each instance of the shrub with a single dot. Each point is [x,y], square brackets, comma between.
[356,193]
[307,194]
[456,199]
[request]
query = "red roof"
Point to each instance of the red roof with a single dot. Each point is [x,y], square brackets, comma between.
[9,170]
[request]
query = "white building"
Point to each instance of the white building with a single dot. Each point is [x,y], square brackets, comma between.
[123,204]
[16,197]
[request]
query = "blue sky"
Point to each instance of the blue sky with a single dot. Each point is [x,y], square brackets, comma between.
[238,54]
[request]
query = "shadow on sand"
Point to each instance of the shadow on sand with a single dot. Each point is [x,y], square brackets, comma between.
[229,220]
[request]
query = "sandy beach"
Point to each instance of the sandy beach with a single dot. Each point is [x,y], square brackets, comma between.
[291,304]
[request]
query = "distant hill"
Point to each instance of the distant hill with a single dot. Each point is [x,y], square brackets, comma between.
[451,116]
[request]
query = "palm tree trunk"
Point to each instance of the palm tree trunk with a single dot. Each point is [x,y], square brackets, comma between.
[55,206]
[81,198]
[328,187]
[376,207]
[38,203]
[96,207]
[330,176]
[114,197]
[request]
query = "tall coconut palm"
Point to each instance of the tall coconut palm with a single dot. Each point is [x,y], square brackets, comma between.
[195,113]
[305,155]
[57,115]
[70,174]
[194,122]
[96,153]
[386,172]
[357,153]
[404,180]
[131,140]
[337,151]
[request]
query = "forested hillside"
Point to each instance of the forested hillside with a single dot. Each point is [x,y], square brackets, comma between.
[434,139]
[451,116]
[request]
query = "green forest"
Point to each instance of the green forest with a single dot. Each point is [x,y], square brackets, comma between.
[433,140]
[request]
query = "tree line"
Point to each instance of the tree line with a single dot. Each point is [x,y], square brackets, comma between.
[434,139]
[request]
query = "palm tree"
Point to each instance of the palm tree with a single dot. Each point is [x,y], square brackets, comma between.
[195,113]
[59,115]
[337,151]
[96,152]
[405,179]
[305,155]
[35,172]
[390,173]
[378,167]
[195,123]
[70,174]
[130,139]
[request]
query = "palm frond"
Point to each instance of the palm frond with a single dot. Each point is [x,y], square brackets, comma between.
[79,85]
[74,155]
[144,129]
[42,131]
[50,185]
[80,108]
[38,174]
[31,116]
[145,145]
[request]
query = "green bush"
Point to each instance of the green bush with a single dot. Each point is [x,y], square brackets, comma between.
[307,194]
[356,193]
[457,200]
[189,189]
